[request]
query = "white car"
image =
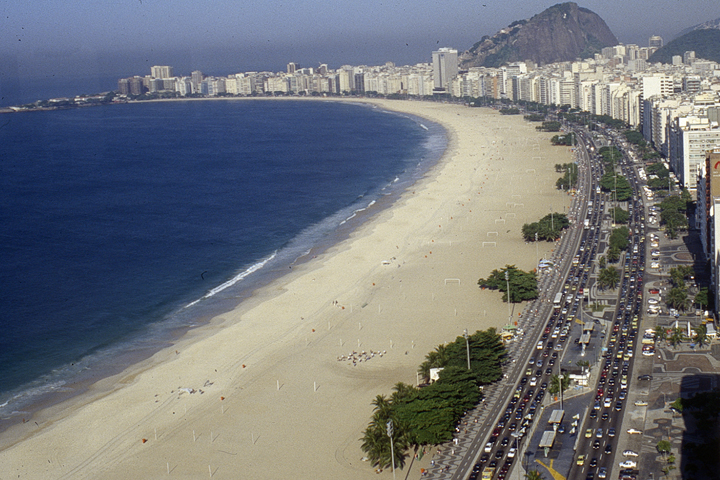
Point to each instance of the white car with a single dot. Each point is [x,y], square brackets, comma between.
[533,381]
[488,447]
[630,453]
[632,431]
[655,253]
[654,265]
[641,403]
[652,301]
[511,453]
[628,464]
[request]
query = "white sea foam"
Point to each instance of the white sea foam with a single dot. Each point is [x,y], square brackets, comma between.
[254,268]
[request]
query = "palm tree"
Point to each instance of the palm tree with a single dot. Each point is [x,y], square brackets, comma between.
[700,337]
[660,333]
[533,475]
[676,336]
[402,392]
[609,278]
[375,440]
[678,298]
[555,381]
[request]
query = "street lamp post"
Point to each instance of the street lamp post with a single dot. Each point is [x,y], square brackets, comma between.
[507,283]
[537,251]
[389,426]
[467,344]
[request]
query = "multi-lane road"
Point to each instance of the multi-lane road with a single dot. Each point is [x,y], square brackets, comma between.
[498,448]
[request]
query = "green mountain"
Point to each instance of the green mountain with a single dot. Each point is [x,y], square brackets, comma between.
[705,43]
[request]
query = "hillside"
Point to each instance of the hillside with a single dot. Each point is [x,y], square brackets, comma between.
[563,32]
[710,24]
[705,43]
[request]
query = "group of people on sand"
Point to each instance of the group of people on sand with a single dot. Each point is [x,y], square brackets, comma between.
[356,357]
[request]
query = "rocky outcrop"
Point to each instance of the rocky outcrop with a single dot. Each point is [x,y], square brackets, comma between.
[564,32]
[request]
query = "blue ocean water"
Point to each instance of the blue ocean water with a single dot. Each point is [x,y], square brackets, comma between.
[122,224]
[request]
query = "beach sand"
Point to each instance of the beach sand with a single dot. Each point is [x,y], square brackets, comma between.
[271,400]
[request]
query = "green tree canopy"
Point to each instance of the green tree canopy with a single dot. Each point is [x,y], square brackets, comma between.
[523,285]
[547,228]
[620,238]
[608,278]
[608,184]
[619,215]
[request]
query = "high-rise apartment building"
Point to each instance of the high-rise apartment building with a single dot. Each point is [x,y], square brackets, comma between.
[655,41]
[196,78]
[161,71]
[445,68]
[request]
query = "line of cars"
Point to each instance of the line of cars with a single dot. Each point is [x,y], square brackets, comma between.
[607,411]
[501,449]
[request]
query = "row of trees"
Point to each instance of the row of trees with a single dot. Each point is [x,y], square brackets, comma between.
[678,297]
[549,228]
[569,179]
[549,126]
[567,140]
[673,211]
[616,183]
[676,335]
[523,285]
[429,415]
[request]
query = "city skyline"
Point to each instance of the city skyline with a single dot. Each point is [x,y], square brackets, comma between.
[118,38]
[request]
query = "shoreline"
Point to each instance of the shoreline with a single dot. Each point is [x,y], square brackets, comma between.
[221,299]
[289,333]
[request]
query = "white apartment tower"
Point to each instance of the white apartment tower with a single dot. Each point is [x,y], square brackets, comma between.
[655,41]
[445,68]
[161,71]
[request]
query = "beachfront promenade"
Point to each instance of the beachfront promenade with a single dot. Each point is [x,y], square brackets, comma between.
[276,402]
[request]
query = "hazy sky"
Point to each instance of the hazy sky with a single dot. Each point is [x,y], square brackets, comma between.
[125,37]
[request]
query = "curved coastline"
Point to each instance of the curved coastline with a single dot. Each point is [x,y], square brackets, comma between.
[270,364]
[73,379]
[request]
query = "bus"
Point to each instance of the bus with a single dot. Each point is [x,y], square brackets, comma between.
[488,473]
[558,299]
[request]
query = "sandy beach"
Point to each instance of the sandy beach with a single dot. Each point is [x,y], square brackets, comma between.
[259,393]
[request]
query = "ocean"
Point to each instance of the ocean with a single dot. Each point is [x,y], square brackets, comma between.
[122,226]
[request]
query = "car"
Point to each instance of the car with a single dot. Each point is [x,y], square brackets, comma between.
[512,452]
[505,442]
[588,433]
[561,429]
[499,454]
[628,464]
[641,403]
[523,380]
[634,431]
[488,447]
[528,371]
[645,377]
[611,432]
[654,291]
[596,444]
[599,433]
[533,381]
[580,460]
[593,462]
[630,453]
[539,345]
[608,449]
[590,476]
[604,416]
[593,414]
[602,472]
[618,406]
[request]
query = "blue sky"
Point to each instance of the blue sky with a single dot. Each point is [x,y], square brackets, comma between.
[125,37]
